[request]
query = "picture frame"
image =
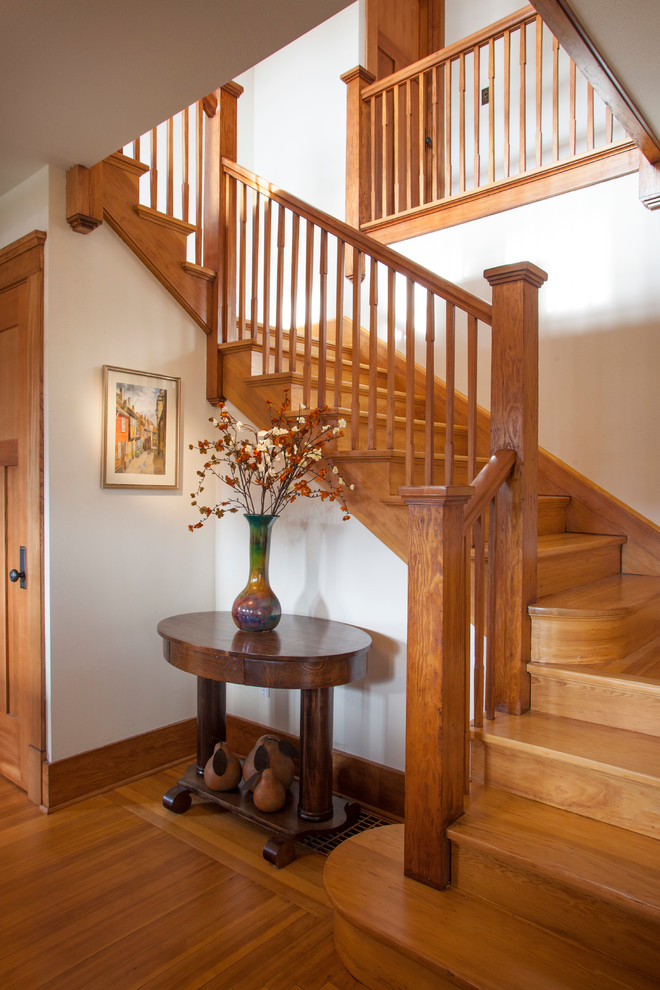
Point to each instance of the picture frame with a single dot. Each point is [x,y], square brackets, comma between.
[140,445]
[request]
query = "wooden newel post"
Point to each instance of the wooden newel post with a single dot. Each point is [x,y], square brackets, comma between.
[358,153]
[436,684]
[220,141]
[514,425]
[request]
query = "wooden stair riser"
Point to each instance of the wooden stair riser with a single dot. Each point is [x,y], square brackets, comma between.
[557,573]
[575,639]
[629,937]
[601,700]
[606,794]
[552,514]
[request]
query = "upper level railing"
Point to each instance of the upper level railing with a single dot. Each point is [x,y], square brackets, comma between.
[503,104]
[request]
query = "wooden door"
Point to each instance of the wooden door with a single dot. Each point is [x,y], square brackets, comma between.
[399,32]
[21,496]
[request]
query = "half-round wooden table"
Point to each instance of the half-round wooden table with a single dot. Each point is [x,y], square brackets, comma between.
[302,653]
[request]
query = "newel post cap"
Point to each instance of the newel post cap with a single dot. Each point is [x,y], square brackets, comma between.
[521,271]
[359,72]
[436,494]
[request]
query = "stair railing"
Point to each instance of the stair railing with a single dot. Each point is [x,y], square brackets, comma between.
[284,285]
[503,105]
[292,283]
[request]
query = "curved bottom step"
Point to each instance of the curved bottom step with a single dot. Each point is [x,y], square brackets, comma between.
[391,932]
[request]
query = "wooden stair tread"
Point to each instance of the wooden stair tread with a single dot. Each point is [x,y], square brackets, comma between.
[568,543]
[457,940]
[615,751]
[615,864]
[616,595]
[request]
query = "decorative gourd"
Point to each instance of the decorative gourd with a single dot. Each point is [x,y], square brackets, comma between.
[269,792]
[223,770]
[280,759]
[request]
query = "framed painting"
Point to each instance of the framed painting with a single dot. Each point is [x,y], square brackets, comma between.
[140,429]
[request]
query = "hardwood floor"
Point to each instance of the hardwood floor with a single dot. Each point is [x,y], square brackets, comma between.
[115,893]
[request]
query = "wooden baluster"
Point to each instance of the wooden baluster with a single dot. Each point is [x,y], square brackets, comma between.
[387,155]
[590,117]
[309,283]
[293,336]
[436,136]
[256,224]
[396,150]
[281,244]
[391,358]
[491,110]
[477,118]
[408,145]
[507,103]
[514,425]
[478,610]
[199,146]
[323,319]
[495,581]
[185,164]
[169,209]
[265,340]
[572,134]
[523,98]
[376,161]
[339,322]
[609,120]
[355,352]
[372,406]
[555,100]
[472,342]
[435,691]
[358,148]
[429,402]
[461,138]
[242,264]
[410,383]
[539,92]
[153,172]
[421,136]
[448,148]
[450,395]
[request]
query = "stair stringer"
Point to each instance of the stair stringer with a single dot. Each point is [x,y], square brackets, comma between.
[157,240]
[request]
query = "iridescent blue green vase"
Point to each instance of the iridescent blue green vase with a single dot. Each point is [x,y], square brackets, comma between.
[257,607]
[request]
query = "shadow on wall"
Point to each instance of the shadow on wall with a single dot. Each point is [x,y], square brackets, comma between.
[599,407]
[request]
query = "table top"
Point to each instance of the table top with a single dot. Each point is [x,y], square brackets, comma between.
[302,652]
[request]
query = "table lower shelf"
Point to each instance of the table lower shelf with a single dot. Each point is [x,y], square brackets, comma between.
[286,826]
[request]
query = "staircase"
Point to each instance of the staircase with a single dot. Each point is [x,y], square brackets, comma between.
[555,863]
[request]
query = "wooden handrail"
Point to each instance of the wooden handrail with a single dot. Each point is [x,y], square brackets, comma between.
[453,294]
[491,477]
[495,31]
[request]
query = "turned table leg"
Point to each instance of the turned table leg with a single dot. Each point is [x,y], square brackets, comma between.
[315,796]
[211,720]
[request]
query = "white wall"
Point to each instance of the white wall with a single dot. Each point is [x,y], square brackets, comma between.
[117,560]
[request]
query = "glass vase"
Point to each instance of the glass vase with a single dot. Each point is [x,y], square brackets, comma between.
[257,608]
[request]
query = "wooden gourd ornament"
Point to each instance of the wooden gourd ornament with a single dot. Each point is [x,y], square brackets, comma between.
[223,769]
[281,755]
[269,793]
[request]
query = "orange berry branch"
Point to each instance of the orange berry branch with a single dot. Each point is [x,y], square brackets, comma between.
[266,470]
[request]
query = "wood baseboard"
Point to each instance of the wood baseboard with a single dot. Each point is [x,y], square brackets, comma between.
[86,774]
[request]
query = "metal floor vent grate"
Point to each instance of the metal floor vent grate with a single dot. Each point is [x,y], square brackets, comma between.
[326,843]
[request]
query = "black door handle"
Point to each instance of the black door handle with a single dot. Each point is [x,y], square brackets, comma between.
[21,575]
